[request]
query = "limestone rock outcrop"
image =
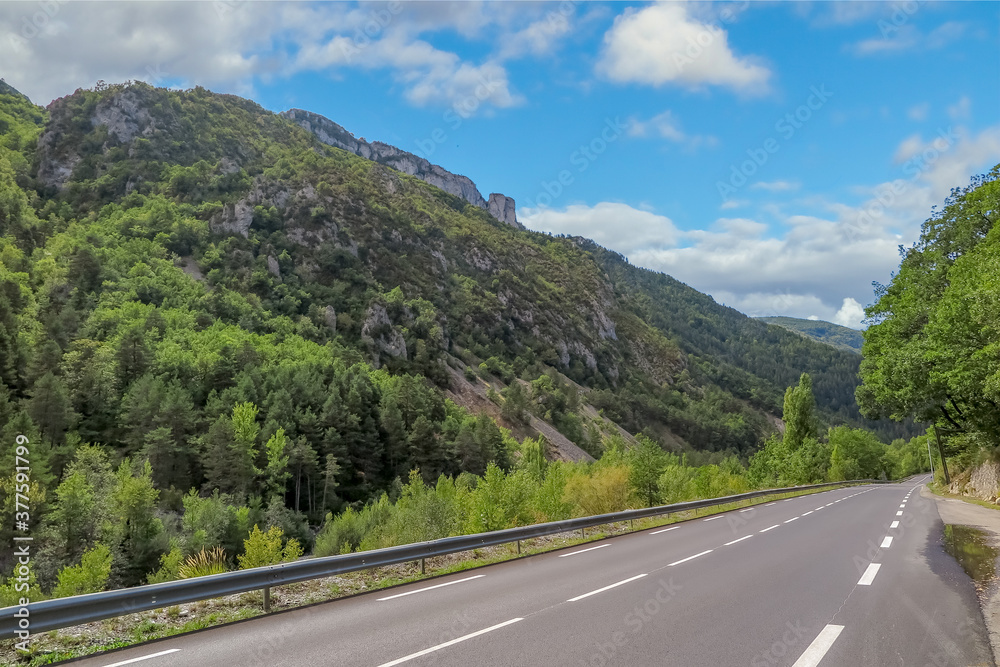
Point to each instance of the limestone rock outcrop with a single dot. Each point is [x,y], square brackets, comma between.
[332,134]
[501,207]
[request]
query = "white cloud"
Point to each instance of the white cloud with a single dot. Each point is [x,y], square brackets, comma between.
[177,42]
[908,38]
[935,165]
[230,46]
[429,75]
[907,148]
[960,110]
[918,112]
[664,43]
[775,186]
[807,271]
[847,13]
[851,314]
[539,37]
[733,203]
[666,125]
[613,225]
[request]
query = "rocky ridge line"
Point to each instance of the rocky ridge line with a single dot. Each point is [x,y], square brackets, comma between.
[330,133]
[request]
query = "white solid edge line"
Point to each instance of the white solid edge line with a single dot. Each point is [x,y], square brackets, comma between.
[887,542]
[418,654]
[771,528]
[894,524]
[869,576]
[428,588]
[601,590]
[713,518]
[819,646]
[792,519]
[745,537]
[684,560]
[657,532]
[145,657]
[599,546]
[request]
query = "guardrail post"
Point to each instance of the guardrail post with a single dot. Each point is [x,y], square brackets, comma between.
[423,566]
[267,599]
[519,547]
[631,525]
[583,532]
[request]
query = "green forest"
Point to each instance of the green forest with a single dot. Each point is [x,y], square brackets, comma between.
[228,345]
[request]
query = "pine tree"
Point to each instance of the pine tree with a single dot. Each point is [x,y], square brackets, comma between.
[330,472]
[49,408]
[244,447]
[276,473]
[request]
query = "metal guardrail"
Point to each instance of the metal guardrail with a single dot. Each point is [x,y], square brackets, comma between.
[66,612]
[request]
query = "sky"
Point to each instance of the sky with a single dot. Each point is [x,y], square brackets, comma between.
[775,155]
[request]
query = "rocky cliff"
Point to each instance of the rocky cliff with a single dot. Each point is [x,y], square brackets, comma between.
[981,482]
[332,134]
[501,207]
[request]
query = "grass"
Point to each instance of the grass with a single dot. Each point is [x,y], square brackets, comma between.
[122,632]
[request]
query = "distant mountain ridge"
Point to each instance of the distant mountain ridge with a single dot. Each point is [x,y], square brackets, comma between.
[840,337]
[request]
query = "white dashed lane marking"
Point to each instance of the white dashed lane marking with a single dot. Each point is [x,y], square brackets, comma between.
[606,588]
[869,576]
[819,647]
[684,560]
[428,588]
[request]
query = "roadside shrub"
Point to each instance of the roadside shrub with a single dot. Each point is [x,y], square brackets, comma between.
[203,563]
[264,548]
[344,533]
[170,564]
[90,576]
[422,513]
[604,490]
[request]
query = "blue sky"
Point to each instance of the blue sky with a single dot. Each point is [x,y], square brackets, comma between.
[772,154]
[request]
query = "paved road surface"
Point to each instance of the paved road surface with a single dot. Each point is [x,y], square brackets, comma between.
[851,578]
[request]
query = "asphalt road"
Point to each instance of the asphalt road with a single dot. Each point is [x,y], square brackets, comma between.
[814,580]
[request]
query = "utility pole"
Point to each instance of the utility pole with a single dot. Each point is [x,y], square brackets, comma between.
[930,458]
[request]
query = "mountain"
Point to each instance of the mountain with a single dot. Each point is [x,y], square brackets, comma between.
[178,268]
[842,338]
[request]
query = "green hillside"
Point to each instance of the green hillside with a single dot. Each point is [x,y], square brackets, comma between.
[843,338]
[210,252]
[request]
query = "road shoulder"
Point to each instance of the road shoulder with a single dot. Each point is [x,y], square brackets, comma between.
[956,511]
